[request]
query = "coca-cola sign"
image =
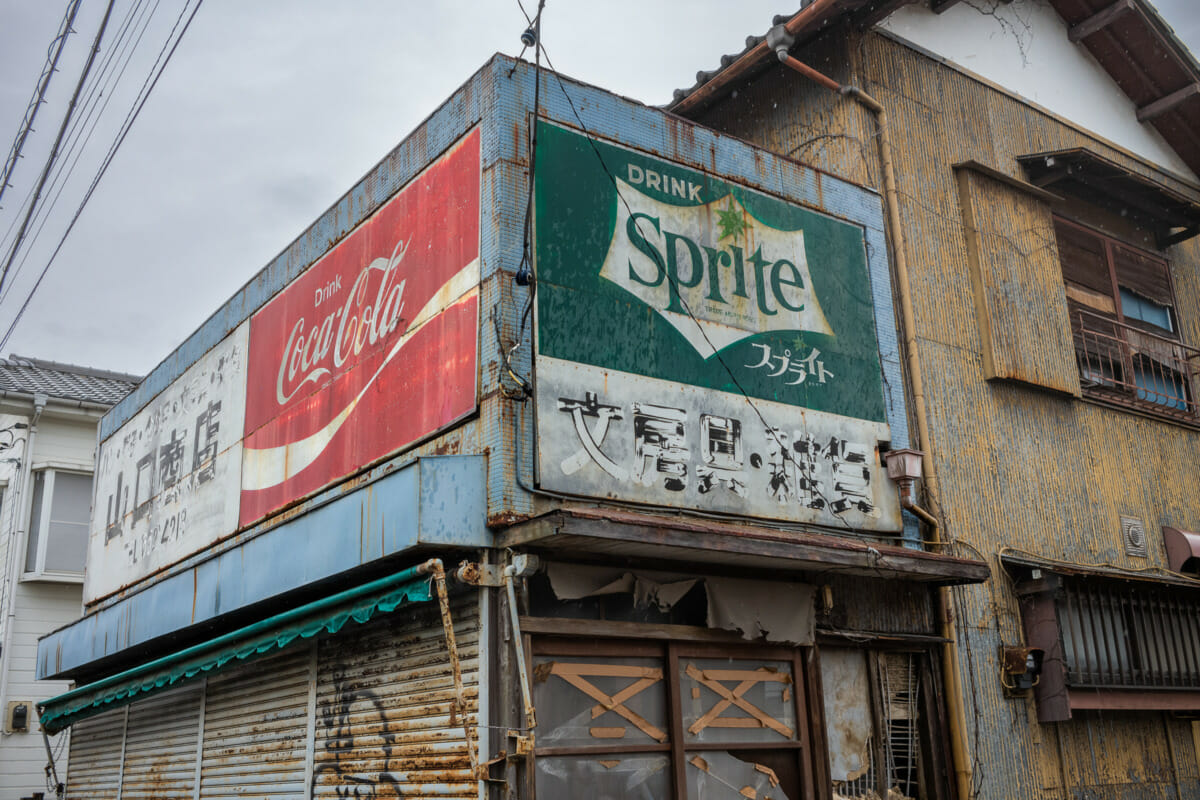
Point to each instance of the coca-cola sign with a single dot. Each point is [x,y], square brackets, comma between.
[374,347]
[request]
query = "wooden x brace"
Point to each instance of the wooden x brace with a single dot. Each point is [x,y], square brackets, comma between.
[758,718]
[575,675]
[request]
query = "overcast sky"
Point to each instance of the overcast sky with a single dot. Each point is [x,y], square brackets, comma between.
[268,112]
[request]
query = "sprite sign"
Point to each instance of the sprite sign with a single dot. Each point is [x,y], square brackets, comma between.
[700,343]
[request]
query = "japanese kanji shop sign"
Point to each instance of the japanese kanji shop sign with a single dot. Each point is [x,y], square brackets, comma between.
[702,345]
[166,481]
[371,349]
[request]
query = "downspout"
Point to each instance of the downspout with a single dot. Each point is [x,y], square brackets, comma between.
[20,540]
[780,40]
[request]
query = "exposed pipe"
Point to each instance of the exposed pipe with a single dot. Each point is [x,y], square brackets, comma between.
[458,705]
[780,40]
[510,572]
[19,542]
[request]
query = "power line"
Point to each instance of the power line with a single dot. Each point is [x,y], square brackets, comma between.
[147,87]
[39,94]
[92,111]
[57,142]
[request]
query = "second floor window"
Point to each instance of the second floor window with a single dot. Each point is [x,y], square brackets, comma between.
[58,523]
[1126,333]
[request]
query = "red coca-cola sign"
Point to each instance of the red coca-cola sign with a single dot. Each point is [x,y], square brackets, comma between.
[374,347]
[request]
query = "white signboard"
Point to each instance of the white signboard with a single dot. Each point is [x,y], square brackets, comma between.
[168,481]
[603,433]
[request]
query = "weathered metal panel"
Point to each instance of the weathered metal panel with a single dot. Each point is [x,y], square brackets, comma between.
[256,729]
[1019,300]
[165,481]
[94,765]
[705,314]
[372,348]
[706,450]
[386,715]
[161,744]
[432,501]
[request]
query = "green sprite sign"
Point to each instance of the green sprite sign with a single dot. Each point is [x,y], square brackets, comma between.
[653,269]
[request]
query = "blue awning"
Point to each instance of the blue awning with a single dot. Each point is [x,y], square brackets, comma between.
[327,615]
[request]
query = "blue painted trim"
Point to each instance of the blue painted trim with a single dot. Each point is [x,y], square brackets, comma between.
[436,501]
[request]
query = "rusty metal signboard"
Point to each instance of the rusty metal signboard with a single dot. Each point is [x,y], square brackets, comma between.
[702,345]
[374,347]
[371,349]
[165,480]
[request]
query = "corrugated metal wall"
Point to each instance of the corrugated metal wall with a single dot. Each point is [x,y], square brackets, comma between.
[384,698]
[367,712]
[256,723]
[1019,467]
[94,769]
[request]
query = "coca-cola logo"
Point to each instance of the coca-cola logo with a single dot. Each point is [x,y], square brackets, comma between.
[364,318]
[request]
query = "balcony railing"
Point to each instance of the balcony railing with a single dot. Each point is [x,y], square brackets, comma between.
[1128,366]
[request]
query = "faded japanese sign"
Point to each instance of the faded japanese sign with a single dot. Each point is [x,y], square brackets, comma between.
[608,434]
[164,480]
[701,344]
[371,349]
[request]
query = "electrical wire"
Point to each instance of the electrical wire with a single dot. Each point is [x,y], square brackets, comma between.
[144,95]
[93,111]
[62,130]
[53,52]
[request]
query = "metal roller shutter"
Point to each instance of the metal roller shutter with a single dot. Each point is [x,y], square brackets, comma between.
[256,729]
[94,770]
[384,699]
[161,745]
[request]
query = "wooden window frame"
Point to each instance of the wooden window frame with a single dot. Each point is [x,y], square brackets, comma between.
[812,761]
[1122,390]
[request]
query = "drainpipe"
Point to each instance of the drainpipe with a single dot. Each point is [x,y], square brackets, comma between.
[779,40]
[19,540]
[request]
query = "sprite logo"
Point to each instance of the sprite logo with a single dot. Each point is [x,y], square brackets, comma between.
[735,275]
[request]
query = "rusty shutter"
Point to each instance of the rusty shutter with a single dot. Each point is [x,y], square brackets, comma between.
[256,728]
[161,745]
[94,768]
[1083,259]
[1144,274]
[385,694]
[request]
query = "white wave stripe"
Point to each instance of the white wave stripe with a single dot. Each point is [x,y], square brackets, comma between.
[265,467]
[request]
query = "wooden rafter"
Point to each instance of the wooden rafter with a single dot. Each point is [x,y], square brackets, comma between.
[1098,21]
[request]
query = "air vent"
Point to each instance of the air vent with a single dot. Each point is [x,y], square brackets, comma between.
[1133,534]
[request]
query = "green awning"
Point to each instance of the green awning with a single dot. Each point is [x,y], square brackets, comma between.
[326,615]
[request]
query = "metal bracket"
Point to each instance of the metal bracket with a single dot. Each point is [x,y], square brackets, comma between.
[476,574]
[522,745]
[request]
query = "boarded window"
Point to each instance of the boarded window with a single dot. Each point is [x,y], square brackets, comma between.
[1014,268]
[634,719]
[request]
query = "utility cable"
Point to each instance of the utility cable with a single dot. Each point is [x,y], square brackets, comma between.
[89,117]
[39,95]
[62,129]
[148,88]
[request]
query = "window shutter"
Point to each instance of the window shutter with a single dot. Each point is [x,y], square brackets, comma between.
[1143,274]
[1082,257]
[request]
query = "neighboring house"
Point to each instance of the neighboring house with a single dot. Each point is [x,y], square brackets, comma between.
[1045,158]
[48,416]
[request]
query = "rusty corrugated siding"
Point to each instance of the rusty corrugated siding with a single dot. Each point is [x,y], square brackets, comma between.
[1019,467]
[384,707]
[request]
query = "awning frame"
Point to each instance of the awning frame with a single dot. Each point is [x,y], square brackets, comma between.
[326,615]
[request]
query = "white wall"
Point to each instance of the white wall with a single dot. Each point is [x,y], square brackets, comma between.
[39,607]
[1023,47]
